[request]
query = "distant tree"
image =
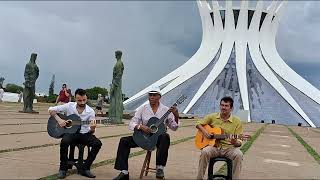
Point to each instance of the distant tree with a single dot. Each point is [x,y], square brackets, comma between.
[1,81]
[13,88]
[92,93]
[51,87]
[51,98]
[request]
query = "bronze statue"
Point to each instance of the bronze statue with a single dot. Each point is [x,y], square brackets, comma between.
[31,74]
[116,102]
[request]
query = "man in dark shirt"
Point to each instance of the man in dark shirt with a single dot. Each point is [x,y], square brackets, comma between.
[64,95]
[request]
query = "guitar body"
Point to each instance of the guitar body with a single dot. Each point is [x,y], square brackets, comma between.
[54,129]
[149,141]
[201,141]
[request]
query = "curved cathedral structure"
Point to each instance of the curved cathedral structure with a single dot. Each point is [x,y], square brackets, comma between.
[238,58]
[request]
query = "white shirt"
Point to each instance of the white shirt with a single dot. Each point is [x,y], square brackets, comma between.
[71,108]
[1,93]
[144,113]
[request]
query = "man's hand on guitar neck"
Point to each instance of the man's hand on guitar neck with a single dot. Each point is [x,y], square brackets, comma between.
[235,143]
[61,122]
[175,112]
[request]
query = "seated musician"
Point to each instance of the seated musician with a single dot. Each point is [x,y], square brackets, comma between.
[226,148]
[152,109]
[85,136]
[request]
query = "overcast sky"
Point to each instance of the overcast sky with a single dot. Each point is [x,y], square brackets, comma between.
[76,40]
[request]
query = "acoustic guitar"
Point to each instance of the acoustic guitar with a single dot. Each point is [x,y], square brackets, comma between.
[73,124]
[157,126]
[217,134]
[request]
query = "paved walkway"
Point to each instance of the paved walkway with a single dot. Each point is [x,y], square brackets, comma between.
[275,153]
[309,135]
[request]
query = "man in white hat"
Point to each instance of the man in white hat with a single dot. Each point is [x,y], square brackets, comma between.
[152,109]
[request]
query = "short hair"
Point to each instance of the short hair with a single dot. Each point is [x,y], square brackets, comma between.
[80,92]
[227,99]
[64,84]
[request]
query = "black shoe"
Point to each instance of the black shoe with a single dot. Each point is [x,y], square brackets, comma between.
[122,176]
[88,173]
[62,174]
[160,173]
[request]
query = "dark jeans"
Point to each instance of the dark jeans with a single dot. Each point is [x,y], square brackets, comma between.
[126,143]
[78,138]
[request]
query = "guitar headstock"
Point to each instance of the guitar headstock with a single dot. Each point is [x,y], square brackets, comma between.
[181,99]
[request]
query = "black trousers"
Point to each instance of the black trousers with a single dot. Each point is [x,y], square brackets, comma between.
[78,138]
[126,143]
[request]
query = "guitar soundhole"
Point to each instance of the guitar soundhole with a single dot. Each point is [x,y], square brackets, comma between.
[68,124]
[153,128]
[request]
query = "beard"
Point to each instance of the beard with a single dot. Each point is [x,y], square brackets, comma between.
[81,105]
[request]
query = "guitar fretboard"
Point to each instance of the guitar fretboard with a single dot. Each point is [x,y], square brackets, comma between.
[227,136]
[98,121]
[163,118]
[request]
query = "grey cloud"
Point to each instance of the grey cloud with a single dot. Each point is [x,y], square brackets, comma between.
[298,37]
[76,40]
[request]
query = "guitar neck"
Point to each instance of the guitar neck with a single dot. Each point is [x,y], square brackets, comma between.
[227,136]
[179,101]
[163,118]
[98,121]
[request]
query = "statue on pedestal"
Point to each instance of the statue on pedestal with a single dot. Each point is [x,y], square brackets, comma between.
[116,101]
[31,74]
